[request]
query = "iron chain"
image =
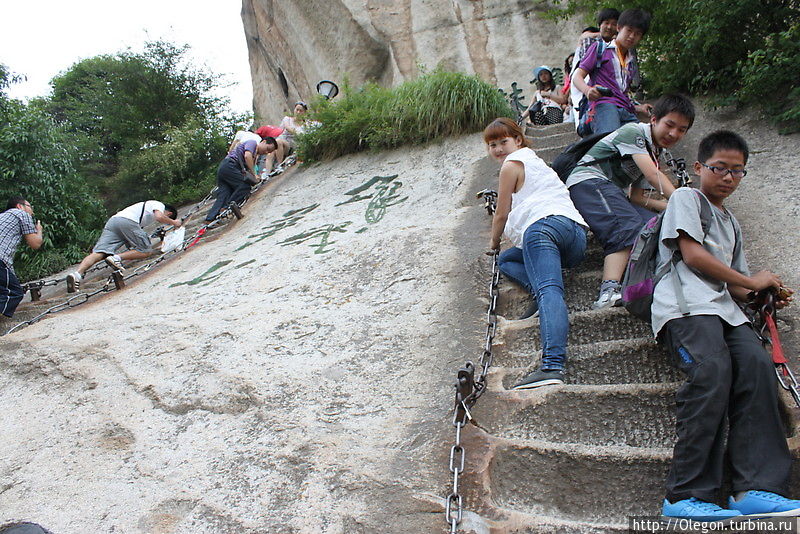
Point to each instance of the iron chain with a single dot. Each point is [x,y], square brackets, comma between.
[469,388]
[762,308]
[81,298]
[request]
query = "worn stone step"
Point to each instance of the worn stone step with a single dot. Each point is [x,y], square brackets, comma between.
[578,482]
[634,415]
[580,292]
[590,326]
[627,361]
[538,131]
[557,141]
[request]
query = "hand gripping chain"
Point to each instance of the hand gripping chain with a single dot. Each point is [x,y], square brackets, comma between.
[764,307]
[468,391]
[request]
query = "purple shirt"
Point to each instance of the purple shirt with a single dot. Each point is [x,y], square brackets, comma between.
[608,73]
[239,150]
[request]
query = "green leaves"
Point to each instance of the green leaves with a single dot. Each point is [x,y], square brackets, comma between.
[738,51]
[123,111]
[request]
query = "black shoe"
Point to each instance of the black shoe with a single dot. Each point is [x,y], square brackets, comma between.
[540,378]
[532,310]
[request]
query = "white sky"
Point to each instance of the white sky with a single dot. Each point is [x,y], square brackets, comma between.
[43,38]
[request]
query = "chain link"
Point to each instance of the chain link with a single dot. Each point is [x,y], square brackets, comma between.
[762,311]
[678,168]
[109,285]
[469,388]
[489,197]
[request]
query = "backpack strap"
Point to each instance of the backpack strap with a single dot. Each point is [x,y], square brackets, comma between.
[706,216]
[141,215]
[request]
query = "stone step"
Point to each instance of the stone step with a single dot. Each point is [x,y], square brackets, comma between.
[634,415]
[580,292]
[590,326]
[539,131]
[557,141]
[577,482]
[626,361]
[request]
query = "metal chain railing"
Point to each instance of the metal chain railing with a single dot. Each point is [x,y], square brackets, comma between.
[117,280]
[469,388]
[678,168]
[762,311]
[489,197]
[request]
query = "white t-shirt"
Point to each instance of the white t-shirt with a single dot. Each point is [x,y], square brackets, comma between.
[243,135]
[542,194]
[134,212]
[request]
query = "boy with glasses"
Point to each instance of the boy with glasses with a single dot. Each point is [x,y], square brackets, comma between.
[730,379]
[16,223]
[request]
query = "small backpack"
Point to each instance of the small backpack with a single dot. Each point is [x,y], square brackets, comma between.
[565,162]
[641,277]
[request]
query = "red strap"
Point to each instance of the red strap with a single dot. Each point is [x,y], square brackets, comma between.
[777,349]
[200,234]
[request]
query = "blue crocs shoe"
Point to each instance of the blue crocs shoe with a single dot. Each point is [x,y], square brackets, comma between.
[694,509]
[765,504]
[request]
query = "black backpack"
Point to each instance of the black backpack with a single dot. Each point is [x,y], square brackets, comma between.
[565,162]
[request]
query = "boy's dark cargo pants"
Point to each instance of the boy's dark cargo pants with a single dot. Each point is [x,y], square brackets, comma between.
[729,377]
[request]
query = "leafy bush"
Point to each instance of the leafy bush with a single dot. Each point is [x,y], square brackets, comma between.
[37,162]
[435,105]
[180,169]
[738,51]
[128,114]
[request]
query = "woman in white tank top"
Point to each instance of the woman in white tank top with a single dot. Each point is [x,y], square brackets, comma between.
[536,214]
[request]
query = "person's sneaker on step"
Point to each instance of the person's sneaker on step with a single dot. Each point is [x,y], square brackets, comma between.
[694,509]
[540,378]
[74,282]
[115,262]
[763,504]
[610,295]
[532,310]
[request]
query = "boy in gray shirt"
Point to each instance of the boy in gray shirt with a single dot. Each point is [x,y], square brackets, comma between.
[730,379]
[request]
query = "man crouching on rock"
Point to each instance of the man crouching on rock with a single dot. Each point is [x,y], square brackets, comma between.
[125,228]
[15,223]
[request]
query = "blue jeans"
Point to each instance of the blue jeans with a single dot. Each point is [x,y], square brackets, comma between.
[11,292]
[608,117]
[548,245]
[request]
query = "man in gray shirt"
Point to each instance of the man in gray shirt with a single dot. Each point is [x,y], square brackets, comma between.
[730,379]
[15,223]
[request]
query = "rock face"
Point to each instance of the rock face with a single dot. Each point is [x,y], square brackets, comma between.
[294,374]
[294,45]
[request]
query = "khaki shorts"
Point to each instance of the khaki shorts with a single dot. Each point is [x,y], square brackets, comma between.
[120,231]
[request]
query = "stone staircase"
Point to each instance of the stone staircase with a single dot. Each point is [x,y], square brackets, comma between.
[582,457]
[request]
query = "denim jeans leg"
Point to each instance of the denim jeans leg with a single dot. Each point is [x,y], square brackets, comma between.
[543,244]
[606,118]
[512,265]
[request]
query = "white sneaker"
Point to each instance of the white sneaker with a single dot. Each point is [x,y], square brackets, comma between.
[115,262]
[74,282]
[608,298]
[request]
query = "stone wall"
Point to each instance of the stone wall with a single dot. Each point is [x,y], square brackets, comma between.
[293,45]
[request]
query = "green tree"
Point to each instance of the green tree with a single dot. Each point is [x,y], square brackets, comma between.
[37,162]
[738,51]
[117,106]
